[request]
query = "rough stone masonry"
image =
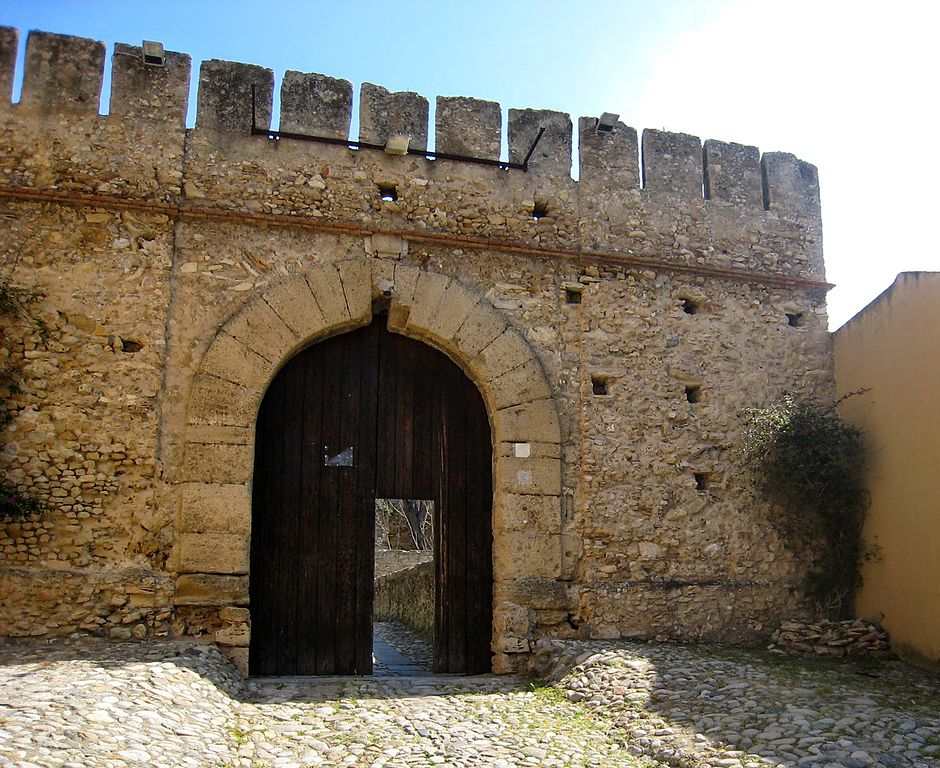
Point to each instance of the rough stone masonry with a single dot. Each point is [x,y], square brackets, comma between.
[614,328]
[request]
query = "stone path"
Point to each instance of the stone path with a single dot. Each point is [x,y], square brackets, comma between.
[87,703]
[398,651]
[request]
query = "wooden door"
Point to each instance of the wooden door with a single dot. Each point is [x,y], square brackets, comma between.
[363,415]
[434,443]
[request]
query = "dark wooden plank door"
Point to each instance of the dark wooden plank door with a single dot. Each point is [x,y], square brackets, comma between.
[313,512]
[434,443]
[366,415]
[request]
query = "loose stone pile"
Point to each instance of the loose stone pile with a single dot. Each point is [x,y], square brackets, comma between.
[730,708]
[164,704]
[831,638]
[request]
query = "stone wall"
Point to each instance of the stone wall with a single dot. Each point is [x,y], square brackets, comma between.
[391,560]
[614,330]
[407,596]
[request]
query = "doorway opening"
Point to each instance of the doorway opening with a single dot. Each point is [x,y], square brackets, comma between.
[405,591]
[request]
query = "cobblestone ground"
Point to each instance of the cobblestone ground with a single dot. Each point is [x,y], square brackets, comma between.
[87,703]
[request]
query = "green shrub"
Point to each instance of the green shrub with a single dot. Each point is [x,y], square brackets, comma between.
[810,464]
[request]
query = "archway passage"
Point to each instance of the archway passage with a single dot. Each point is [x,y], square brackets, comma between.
[363,415]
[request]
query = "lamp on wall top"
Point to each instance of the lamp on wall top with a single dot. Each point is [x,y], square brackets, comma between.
[153,54]
[397,144]
[607,121]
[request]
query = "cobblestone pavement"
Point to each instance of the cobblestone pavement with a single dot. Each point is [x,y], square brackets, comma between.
[391,639]
[88,703]
[723,707]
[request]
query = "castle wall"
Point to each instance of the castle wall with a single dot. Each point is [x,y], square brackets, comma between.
[613,328]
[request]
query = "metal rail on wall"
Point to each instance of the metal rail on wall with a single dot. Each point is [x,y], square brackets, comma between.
[349,144]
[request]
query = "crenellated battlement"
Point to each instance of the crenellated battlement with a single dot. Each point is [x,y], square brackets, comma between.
[627,182]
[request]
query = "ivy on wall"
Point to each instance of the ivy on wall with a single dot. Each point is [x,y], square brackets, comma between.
[810,465]
[15,304]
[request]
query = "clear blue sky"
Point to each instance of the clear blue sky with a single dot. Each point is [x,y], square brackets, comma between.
[848,86]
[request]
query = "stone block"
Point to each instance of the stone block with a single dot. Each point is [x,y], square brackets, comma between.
[212,553]
[229,359]
[732,174]
[429,291]
[608,159]
[791,186]
[511,620]
[327,288]
[211,589]
[235,615]
[215,433]
[238,635]
[406,278]
[259,328]
[224,101]
[215,508]
[509,644]
[468,127]
[538,594]
[63,74]
[453,310]
[672,163]
[550,618]
[9,39]
[211,463]
[217,401]
[387,246]
[146,92]
[520,385]
[315,105]
[536,422]
[507,351]
[526,554]
[523,450]
[552,155]
[523,512]
[356,277]
[529,476]
[383,113]
[295,305]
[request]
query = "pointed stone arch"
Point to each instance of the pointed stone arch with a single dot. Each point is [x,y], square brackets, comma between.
[249,348]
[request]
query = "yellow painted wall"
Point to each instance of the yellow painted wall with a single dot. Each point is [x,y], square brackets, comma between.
[892,348]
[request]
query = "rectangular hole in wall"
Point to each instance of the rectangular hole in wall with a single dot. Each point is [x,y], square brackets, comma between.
[573,295]
[388,192]
[796,319]
[599,385]
[702,481]
[693,393]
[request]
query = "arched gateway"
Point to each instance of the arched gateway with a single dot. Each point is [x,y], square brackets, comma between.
[481,376]
[364,415]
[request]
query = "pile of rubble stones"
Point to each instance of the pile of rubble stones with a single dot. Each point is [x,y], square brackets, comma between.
[830,638]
